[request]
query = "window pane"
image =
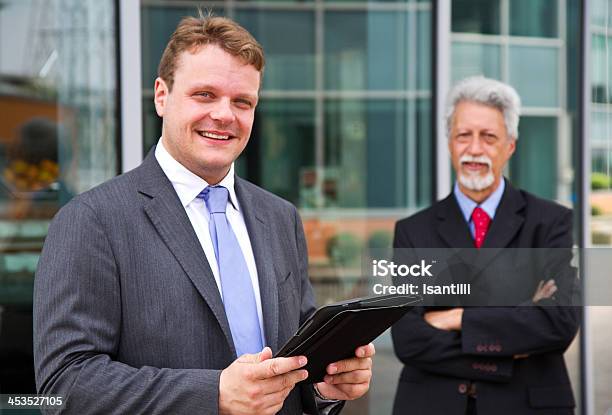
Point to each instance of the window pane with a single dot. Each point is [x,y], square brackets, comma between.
[601,161]
[533,18]
[289,65]
[533,167]
[361,136]
[470,59]
[423,52]
[476,16]
[371,50]
[157,25]
[599,10]
[280,154]
[274,1]
[534,72]
[601,69]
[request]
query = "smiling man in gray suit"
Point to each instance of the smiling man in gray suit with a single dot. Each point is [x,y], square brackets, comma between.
[157,291]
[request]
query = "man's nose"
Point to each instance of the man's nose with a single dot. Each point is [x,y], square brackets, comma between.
[475,146]
[222,112]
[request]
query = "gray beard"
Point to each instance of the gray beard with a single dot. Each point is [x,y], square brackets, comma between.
[477,183]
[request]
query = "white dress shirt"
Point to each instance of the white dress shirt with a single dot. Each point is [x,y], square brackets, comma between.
[187,186]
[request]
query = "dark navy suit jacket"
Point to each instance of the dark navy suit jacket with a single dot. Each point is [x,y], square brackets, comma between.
[441,365]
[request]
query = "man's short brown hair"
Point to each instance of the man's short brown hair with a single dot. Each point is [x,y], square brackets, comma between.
[195,32]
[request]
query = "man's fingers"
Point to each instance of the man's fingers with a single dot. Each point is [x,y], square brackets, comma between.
[286,381]
[354,377]
[545,290]
[279,366]
[549,289]
[275,398]
[365,351]
[249,358]
[265,354]
[348,365]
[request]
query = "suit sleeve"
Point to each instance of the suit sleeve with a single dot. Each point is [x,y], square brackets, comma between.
[417,343]
[531,328]
[77,317]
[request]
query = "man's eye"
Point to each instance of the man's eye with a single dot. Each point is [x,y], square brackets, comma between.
[490,137]
[243,103]
[204,94]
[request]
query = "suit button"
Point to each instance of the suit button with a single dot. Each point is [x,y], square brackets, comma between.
[462,388]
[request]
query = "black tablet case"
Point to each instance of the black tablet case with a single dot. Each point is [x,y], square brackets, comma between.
[334,331]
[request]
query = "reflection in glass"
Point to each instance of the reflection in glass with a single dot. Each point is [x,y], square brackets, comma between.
[601,69]
[373,142]
[469,59]
[476,16]
[536,18]
[372,51]
[280,155]
[534,72]
[157,25]
[601,12]
[533,166]
[58,137]
[289,65]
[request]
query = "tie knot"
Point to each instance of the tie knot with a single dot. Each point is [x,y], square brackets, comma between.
[480,217]
[215,198]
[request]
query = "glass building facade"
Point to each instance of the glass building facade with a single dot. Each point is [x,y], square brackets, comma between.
[345,129]
[58,137]
[599,203]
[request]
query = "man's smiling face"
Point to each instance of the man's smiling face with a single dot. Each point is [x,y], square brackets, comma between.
[208,114]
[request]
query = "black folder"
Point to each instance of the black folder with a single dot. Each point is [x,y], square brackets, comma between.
[334,331]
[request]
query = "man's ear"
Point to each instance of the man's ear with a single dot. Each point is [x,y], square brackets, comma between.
[512,148]
[160,96]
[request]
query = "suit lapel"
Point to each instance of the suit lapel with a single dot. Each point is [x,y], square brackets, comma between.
[255,218]
[508,219]
[452,227]
[169,218]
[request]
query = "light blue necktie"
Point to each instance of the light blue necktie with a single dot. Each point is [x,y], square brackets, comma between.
[236,286]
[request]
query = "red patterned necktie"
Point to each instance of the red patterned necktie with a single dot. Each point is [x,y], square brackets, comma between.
[481,225]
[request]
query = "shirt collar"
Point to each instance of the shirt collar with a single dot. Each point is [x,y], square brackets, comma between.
[490,205]
[187,184]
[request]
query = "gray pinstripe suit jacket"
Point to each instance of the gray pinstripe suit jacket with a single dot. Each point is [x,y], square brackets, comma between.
[127,314]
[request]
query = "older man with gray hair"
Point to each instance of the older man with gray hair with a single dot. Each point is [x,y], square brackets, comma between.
[487,360]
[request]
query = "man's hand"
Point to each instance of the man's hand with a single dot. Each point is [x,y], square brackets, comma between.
[445,319]
[258,384]
[350,378]
[545,290]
